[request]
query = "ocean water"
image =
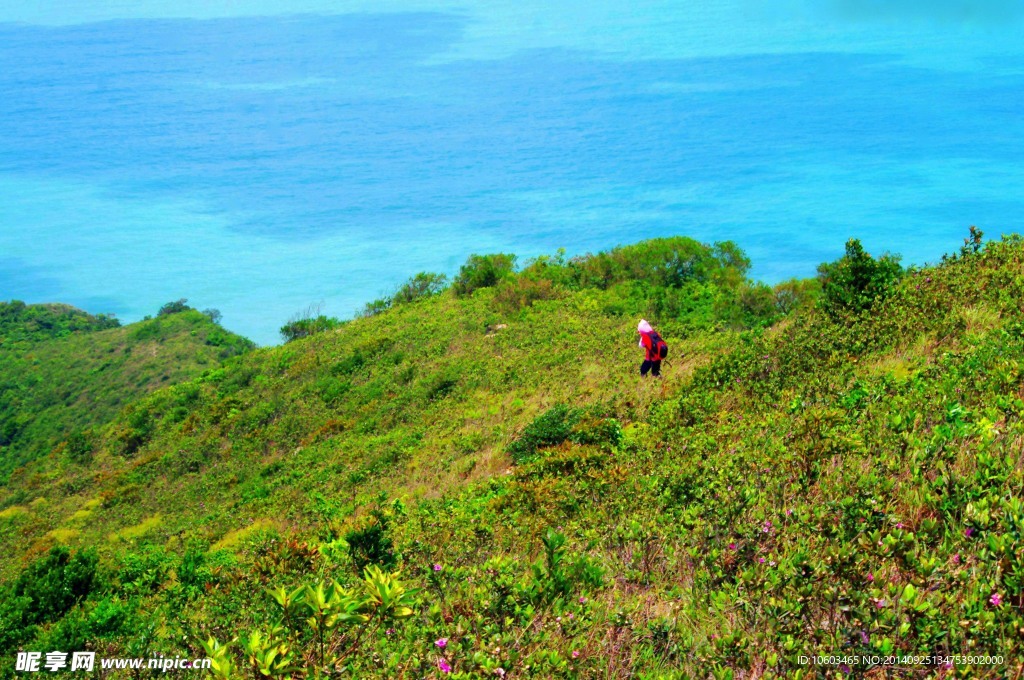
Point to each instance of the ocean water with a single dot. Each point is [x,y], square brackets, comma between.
[259,162]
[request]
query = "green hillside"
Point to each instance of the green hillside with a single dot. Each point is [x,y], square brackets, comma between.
[476,482]
[63,371]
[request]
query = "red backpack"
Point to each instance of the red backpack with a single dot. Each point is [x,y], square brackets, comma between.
[658,346]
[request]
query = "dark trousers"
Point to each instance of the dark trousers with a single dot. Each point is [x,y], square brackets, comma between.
[653,366]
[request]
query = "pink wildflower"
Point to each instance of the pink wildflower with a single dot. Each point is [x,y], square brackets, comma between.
[968,532]
[996,599]
[732,546]
[871,577]
[575,653]
[444,666]
[761,560]
[956,558]
[437,567]
[583,600]
[441,643]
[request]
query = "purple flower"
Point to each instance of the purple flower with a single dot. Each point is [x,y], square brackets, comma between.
[767,526]
[871,577]
[956,558]
[437,567]
[441,643]
[996,599]
[789,512]
[389,631]
[844,668]
[499,671]
[444,666]
[761,560]
[900,525]
[968,532]
[575,653]
[583,600]
[732,546]
[864,637]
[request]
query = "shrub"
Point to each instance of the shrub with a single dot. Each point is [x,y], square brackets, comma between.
[548,429]
[518,292]
[483,271]
[669,262]
[441,385]
[144,570]
[304,327]
[371,545]
[180,305]
[560,424]
[378,306]
[80,446]
[856,281]
[796,293]
[420,286]
[55,583]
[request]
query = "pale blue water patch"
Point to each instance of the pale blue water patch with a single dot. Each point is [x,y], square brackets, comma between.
[149,253]
[260,164]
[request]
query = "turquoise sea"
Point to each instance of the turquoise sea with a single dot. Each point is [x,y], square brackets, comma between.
[259,162]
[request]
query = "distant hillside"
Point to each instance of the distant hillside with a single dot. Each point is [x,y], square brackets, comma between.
[63,371]
[829,467]
[22,324]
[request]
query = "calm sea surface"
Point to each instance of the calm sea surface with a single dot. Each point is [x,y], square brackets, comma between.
[257,162]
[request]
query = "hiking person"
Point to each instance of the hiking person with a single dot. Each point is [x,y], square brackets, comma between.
[654,347]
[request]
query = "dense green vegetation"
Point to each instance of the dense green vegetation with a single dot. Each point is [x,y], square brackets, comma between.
[475,482]
[22,324]
[64,372]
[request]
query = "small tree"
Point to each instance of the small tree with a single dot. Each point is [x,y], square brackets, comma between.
[855,281]
[378,306]
[180,305]
[420,286]
[306,323]
[483,271]
[972,244]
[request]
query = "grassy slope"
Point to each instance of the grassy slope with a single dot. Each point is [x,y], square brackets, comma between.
[64,372]
[416,400]
[833,487]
